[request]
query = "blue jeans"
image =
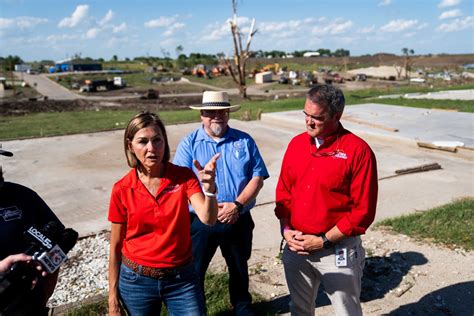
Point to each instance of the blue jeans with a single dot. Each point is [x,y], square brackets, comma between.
[142,295]
[235,242]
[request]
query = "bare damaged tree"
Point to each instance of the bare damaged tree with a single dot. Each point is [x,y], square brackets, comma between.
[407,61]
[241,54]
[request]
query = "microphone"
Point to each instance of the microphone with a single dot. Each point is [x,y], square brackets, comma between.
[49,247]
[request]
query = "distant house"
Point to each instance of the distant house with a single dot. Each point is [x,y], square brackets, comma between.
[22,67]
[77,65]
[311,54]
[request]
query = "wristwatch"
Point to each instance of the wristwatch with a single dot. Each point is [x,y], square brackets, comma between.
[327,244]
[240,206]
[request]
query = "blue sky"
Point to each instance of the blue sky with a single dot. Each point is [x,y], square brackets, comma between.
[57,29]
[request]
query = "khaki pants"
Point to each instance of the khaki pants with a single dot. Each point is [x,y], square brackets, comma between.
[304,273]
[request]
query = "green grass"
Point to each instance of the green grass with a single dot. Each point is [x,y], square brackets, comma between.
[217,299]
[65,123]
[225,82]
[450,224]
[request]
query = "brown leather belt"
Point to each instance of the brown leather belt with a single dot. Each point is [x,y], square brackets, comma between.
[155,273]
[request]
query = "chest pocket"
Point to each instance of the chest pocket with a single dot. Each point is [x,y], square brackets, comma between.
[240,158]
[334,176]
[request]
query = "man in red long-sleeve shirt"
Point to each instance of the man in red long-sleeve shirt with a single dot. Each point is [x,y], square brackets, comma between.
[325,198]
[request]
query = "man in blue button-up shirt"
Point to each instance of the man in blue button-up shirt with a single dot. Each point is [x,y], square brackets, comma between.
[240,172]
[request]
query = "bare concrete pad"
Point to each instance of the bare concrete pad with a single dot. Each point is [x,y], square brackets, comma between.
[443,95]
[416,124]
[74,174]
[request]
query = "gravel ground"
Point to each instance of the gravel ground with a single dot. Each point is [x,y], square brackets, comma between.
[84,275]
[402,277]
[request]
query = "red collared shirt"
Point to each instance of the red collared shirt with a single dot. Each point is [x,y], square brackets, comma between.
[158,229]
[335,184]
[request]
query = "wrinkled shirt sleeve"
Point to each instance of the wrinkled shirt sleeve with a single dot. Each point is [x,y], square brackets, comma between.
[363,192]
[283,188]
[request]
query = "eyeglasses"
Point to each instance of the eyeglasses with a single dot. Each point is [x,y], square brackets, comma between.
[314,118]
[214,113]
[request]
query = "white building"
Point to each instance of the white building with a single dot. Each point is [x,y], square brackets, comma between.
[263,77]
[22,67]
[311,54]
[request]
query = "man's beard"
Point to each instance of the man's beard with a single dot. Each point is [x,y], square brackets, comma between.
[217,129]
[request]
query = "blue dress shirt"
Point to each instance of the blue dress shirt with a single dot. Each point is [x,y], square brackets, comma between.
[240,160]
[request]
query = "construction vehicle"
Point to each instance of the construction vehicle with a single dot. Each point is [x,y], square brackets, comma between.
[271,67]
[274,68]
[102,85]
[330,78]
[219,71]
[201,71]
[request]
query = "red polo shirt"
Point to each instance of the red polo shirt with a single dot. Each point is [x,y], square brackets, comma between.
[335,184]
[158,229]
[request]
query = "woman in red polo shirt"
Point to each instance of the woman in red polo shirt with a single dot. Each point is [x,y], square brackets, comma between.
[150,242]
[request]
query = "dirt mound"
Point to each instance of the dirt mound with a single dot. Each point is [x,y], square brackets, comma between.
[16,108]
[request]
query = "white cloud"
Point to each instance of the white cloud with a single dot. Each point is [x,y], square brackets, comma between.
[77,16]
[457,25]
[398,25]
[450,14]
[6,23]
[337,26]
[119,28]
[216,31]
[107,18]
[292,25]
[61,37]
[448,3]
[422,26]
[366,30]
[173,28]
[162,21]
[92,33]
[22,22]
[384,2]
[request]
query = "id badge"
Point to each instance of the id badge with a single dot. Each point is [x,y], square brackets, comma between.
[341,257]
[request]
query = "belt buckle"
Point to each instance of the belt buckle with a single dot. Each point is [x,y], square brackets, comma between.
[160,274]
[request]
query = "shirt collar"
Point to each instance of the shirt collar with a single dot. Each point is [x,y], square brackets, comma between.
[136,184]
[328,141]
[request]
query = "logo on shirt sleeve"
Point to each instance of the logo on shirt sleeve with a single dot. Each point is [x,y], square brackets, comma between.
[10,213]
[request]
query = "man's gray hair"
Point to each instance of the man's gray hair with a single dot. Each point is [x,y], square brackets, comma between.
[327,95]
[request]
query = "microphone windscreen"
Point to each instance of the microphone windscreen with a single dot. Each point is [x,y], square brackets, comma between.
[68,239]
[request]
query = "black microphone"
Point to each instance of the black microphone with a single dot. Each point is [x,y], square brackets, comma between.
[49,247]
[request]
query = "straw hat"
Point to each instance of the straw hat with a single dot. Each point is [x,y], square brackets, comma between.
[215,100]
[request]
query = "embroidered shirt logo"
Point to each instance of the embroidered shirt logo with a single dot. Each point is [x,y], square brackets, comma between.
[341,155]
[171,188]
[10,213]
